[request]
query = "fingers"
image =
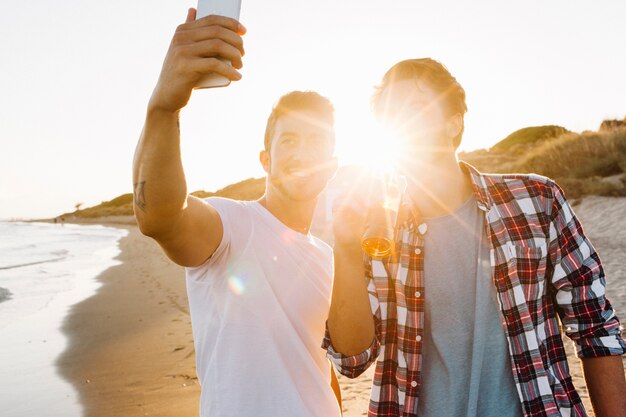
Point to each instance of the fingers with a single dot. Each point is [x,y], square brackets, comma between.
[348,221]
[204,46]
[191,15]
[349,210]
[217,66]
[215,48]
[213,32]
[223,21]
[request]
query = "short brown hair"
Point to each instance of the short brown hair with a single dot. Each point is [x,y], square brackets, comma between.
[436,75]
[299,101]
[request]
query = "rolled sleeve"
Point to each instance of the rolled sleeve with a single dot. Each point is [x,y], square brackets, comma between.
[355,365]
[580,285]
[351,366]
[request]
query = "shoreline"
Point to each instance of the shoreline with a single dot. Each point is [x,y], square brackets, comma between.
[131,349]
[45,270]
[108,221]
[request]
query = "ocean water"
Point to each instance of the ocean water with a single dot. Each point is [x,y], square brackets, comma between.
[44,270]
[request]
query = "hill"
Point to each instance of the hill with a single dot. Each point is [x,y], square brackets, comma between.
[529,136]
[588,163]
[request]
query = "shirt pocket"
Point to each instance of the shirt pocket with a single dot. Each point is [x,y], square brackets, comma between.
[529,265]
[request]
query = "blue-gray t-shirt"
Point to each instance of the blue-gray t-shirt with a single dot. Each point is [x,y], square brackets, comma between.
[466,368]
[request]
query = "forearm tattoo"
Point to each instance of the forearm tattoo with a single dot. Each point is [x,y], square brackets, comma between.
[139,197]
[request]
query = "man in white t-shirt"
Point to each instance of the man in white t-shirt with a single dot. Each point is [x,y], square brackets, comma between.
[258,283]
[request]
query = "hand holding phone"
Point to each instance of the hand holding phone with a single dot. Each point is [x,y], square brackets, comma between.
[228,8]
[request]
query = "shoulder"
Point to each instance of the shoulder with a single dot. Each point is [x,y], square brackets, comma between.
[503,189]
[222,202]
[236,216]
[229,207]
[507,188]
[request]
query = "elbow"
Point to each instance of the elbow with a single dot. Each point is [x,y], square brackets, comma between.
[355,372]
[353,366]
[146,227]
[153,226]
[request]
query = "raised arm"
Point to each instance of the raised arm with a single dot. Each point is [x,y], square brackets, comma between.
[188,229]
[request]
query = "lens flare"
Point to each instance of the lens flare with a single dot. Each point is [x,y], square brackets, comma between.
[237,284]
[370,145]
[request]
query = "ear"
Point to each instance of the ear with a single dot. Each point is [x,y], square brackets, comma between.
[454,126]
[264,158]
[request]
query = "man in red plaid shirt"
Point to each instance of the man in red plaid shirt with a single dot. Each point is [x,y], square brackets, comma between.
[462,319]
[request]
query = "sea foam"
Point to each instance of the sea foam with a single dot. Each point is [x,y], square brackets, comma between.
[44,270]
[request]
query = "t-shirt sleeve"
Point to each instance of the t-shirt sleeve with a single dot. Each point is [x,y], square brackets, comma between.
[236,226]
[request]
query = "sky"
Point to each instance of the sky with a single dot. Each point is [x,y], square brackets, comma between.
[76,76]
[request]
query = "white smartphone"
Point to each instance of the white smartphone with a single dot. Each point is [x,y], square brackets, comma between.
[228,8]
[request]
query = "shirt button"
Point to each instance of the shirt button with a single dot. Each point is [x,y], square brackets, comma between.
[413,384]
[418,338]
[418,251]
[417,294]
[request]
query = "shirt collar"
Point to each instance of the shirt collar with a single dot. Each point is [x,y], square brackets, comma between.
[408,213]
[479,185]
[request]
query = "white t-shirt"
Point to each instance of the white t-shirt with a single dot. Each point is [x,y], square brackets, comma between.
[258,308]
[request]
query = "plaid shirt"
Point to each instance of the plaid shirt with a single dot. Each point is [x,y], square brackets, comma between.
[543,266]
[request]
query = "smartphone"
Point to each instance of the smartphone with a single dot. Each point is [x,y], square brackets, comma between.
[228,8]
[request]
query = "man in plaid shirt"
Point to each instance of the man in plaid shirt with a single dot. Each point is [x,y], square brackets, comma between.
[462,319]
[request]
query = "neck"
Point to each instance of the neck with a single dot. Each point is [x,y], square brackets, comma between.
[297,215]
[441,188]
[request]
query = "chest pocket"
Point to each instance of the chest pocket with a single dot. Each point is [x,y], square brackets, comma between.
[528,264]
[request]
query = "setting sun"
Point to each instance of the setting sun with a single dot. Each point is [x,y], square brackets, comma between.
[368,145]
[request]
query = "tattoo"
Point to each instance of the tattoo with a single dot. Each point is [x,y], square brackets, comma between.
[139,197]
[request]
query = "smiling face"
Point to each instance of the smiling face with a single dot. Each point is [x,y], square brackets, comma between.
[300,162]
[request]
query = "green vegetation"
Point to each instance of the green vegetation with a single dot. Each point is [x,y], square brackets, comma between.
[249,189]
[529,136]
[582,164]
[120,206]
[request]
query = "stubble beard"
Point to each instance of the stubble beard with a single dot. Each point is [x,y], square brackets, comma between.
[301,194]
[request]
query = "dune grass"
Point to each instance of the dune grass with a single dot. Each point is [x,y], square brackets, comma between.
[583,164]
[529,136]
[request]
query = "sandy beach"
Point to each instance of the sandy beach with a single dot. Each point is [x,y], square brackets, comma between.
[131,349]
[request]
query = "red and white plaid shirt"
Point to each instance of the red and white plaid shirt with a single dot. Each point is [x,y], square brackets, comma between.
[544,268]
